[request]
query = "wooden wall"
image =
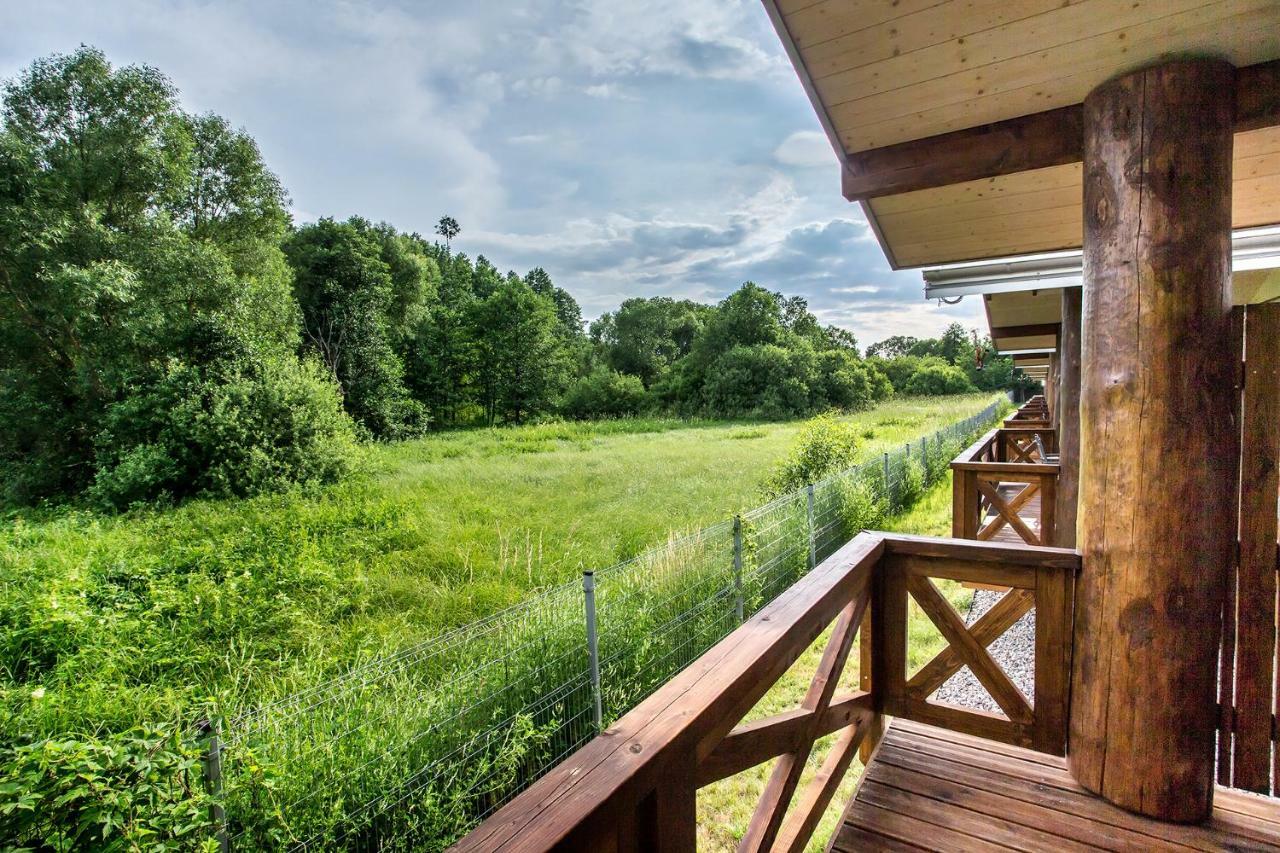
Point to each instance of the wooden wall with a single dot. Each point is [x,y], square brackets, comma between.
[1249,691]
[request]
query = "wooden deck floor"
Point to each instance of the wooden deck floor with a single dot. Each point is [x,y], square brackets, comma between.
[929,789]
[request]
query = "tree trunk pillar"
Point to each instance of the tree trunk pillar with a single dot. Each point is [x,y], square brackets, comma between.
[1158,437]
[1068,418]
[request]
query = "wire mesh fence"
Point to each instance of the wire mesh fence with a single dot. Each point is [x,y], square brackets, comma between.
[412,750]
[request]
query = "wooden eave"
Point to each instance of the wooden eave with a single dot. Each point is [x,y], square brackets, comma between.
[958,123]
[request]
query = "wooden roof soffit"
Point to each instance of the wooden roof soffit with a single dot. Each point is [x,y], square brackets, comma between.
[1036,141]
[1028,331]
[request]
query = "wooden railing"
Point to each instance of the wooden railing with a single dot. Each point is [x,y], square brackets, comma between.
[996,478]
[634,787]
[1034,414]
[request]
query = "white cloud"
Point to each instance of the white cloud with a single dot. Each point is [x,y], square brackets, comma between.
[608,91]
[806,149]
[629,148]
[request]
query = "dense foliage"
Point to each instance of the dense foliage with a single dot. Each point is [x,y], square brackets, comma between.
[148,343]
[824,447]
[165,331]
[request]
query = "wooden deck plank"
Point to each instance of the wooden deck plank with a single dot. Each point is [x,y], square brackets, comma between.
[937,790]
[855,839]
[905,828]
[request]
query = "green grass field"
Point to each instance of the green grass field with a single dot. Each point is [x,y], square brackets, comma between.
[161,616]
[138,616]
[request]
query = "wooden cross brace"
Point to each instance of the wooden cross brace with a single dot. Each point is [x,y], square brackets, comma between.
[1007,511]
[767,830]
[969,646]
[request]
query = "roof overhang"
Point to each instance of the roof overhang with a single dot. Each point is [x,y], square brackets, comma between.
[1021,295]
[959,125]
[1252,250]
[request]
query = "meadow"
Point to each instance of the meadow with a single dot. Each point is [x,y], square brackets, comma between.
[161,614]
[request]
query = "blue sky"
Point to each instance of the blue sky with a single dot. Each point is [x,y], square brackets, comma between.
[632,148]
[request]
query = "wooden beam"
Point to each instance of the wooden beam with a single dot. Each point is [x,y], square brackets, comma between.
[1031,330]
[755,743]
[1258,96]
[1049,138]
[1037,141]
[1159,446]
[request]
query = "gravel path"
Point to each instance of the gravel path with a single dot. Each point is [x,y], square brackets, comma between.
[1015,652]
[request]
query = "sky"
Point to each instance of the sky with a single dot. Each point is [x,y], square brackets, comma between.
[631,148]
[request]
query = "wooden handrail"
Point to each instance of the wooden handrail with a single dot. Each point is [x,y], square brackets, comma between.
[634,786]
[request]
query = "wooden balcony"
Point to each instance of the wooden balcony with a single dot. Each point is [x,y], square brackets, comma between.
[1004,490]
[634,786]
[939,776]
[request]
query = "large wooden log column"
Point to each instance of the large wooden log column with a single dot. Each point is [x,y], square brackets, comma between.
[1068,416]
[1158,437]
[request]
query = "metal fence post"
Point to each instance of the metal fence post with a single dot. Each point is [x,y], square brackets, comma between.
[924,456]
[593,645]
[737,566]
[213,780]
[888,487]
[813,551]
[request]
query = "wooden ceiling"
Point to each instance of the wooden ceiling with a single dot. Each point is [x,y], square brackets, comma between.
[1040,211]
[958,120]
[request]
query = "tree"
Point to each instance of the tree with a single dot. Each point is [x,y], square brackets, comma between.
[936,378]
[140,277]
[345,291]
[448,228]
[521,362]
[898,345]
[645,337]
[954,344]
[568,313]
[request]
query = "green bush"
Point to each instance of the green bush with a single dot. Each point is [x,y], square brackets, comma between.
[825,446]
[938,379]
[140,789]
[604,393]
[760,381]
[846,382]
[240,431]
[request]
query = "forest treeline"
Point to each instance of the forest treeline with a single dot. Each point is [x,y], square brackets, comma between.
[166,330]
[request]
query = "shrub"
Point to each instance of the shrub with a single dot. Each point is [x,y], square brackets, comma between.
[860,509]
[763,381]
[825,446]
[237,431]
[846,382]
[933,379]
[137,790]
[604,393]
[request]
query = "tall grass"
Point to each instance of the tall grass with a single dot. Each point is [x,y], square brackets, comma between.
[519,698]
[245,611]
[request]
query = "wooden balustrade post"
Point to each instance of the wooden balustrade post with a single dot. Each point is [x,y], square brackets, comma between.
[1068,434]
[1159,441]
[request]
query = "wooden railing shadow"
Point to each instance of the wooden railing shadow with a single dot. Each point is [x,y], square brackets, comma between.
[634,786]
